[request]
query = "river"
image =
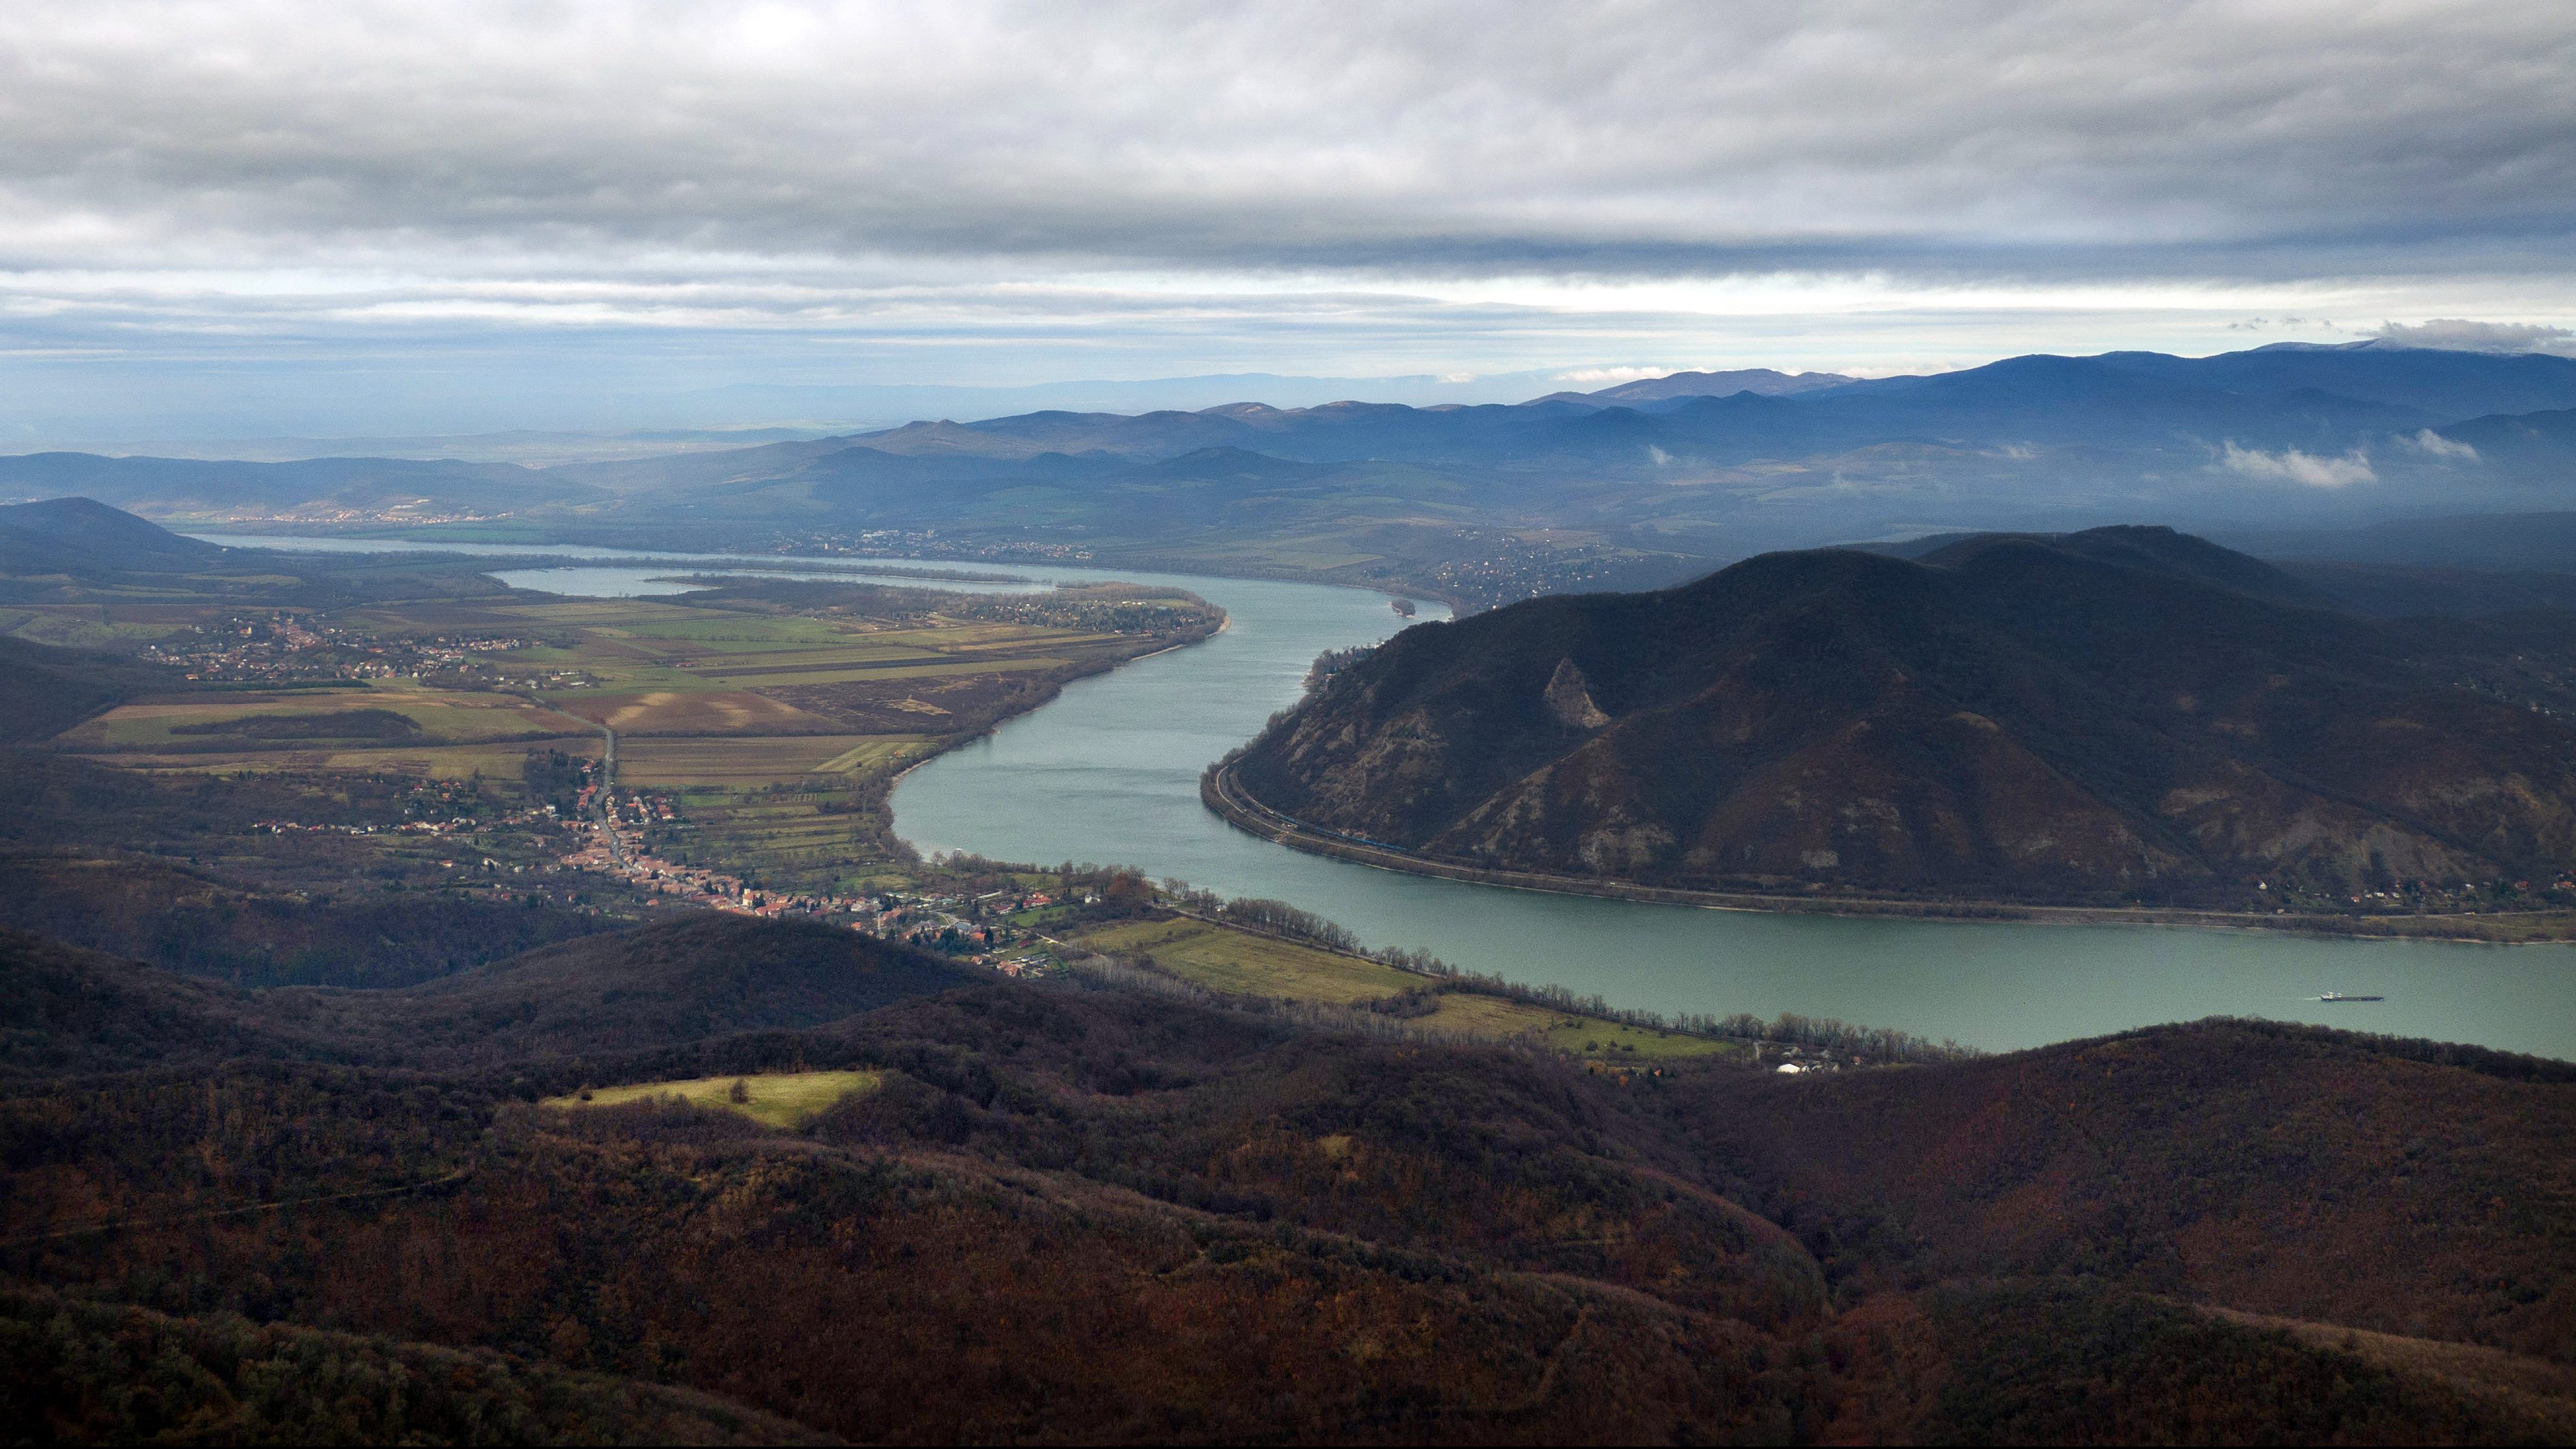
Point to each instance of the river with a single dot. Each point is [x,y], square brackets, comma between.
[1109,773]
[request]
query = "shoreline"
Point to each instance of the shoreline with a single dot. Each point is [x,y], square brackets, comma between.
[1220,793]
[946,744]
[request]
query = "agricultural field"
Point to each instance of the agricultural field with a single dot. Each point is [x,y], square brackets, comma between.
[498,762]
[355,717]
[757,762]
[786,1100]
[795,809]
[1473,1014]
[1244,963]
[769,727]
[100,626]
[691,712]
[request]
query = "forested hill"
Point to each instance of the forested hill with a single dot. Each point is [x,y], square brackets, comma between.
[45,690]
[66,1009]
[1080,1212]
[2119,715]
[82,535]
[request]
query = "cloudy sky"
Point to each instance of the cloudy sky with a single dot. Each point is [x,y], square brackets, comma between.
[357,217]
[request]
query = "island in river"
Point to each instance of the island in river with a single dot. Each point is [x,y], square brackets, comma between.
[2124,720]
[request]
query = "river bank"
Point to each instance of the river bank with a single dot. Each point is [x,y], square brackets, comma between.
[1110,771]
[1221,793]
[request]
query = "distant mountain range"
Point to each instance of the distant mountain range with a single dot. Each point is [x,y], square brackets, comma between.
[2124,714]
[1678,385]
[1649,475]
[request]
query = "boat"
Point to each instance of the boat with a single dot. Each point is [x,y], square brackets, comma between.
[2339,996]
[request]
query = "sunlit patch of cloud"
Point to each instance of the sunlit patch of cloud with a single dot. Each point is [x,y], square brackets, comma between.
[1598,377]
[2426,441]
[2293,466]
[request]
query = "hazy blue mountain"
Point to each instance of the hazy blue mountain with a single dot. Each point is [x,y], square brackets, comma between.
[2446,383]
[2278,439]
[2545,439]
[197,486]
[1762,380]
[2543,541]
[81,533]
[2271,398]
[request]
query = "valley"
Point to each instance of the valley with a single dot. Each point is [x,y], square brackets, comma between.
[1489,504]
[1024,1188]
[853,722]
[350,1015]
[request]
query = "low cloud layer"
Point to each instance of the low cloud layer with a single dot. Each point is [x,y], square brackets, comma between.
[2292,466]
[2459,335]
[2434,445]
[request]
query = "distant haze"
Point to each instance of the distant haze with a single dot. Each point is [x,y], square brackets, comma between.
[287,218]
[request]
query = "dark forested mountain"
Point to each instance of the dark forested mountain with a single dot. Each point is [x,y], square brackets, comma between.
[82,535]
[2123,714]
[67,1009]
[1076,1213]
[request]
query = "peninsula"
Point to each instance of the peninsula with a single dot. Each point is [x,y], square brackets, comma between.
[2125,719]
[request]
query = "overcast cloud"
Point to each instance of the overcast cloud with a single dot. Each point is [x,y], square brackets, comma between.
[966,192]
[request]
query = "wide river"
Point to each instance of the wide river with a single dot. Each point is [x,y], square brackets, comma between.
[1109,773]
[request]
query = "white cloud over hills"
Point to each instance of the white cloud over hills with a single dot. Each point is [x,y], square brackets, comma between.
[2293,466]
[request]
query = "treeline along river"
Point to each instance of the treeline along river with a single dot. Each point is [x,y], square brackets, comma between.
[1109,773]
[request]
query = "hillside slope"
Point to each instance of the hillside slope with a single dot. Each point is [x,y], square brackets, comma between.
[66,1010]
[70,1010]
[699,976]
[2120,715]
[45,690]
[1091,1215]
[82,535]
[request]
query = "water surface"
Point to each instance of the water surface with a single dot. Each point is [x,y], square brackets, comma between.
[1109,773]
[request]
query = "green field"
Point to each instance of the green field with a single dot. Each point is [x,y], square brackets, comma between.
[787,1100]
[772,732]
[1244,964]
[753,761]
[783,806]
[444,717]
[1585,1036]
[496,762]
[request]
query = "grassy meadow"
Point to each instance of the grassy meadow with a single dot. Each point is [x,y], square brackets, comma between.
[785,1100]
[1587,1036]
[1246,963]
[438,717]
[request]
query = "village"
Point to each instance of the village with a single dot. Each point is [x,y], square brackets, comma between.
[284,645]
[961,926]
